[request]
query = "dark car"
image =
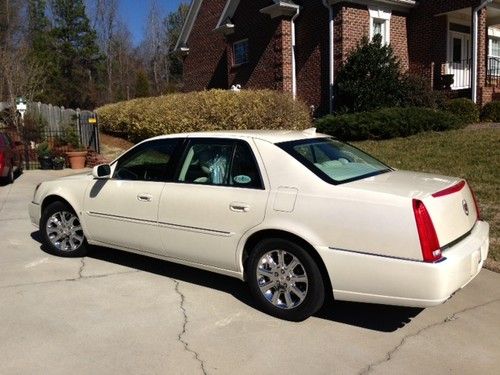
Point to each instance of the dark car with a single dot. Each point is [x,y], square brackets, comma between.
[11,161]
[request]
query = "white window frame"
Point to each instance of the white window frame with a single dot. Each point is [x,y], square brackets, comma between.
[234,52]
[378,15]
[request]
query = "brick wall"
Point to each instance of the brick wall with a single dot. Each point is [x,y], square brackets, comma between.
[206,65]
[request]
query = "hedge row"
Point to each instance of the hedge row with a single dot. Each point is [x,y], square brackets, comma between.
[388,123]
[203,111]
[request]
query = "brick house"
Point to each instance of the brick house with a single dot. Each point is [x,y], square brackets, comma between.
[298,46]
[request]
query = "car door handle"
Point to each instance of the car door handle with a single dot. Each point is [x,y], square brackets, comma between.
[239,207]
[144,197]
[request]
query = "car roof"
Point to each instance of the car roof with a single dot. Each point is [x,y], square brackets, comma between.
[272,136]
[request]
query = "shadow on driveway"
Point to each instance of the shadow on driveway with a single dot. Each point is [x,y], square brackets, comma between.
[383,318]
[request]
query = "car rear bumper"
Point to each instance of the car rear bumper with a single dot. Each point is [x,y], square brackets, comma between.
[378,279]
[35,213]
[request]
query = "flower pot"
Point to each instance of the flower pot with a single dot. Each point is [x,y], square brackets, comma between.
[77,159]
[45,162]
[58,164]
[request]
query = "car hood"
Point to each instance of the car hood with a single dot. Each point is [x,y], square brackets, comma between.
[405,184]
[79,176]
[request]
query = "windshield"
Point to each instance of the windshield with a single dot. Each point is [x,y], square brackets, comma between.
[334,161]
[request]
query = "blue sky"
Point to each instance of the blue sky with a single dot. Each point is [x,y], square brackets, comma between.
[135,12]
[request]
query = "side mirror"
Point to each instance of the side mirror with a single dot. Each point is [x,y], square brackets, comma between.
[102,171]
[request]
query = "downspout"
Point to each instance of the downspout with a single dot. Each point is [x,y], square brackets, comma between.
[475,37]
[331,40]
[294,64]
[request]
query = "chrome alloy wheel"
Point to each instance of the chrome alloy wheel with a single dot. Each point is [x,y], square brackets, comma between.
[65,231]
[282,279]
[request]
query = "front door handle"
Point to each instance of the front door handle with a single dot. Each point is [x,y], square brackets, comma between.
[144,198]
[239,207]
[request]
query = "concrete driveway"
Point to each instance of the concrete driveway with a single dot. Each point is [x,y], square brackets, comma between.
[114,312]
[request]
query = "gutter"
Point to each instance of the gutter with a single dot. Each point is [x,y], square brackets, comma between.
[475,37]
[331,46]
[294,64]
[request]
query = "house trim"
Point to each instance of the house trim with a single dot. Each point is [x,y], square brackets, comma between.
[399,5]
[181,45]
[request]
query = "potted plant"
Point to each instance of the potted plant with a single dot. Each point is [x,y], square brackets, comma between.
[78,154]
[58,161]
[44,155]
[447,80]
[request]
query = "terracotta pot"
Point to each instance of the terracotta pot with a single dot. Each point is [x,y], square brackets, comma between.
[77,159]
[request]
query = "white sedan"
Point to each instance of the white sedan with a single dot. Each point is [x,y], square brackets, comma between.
[298,215]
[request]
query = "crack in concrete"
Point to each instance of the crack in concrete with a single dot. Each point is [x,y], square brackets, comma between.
[184,329]
[390,354]
[80,277]
[82,260]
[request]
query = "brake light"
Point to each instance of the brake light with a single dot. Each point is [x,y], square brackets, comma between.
[2,161]
[426,233]
[452,189]
[475,203]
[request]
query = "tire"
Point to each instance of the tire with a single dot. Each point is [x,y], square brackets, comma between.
[62,232]
[10,176]
[271,280]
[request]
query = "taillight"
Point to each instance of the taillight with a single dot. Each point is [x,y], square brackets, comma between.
[452,189]
[2,160]
[475,202]
[426,233]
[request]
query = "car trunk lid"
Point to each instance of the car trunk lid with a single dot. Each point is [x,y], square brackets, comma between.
[448,200]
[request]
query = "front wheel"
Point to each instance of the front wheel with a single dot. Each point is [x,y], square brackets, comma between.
[285,280]
[62,231]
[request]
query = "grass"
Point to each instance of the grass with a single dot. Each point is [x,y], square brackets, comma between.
[473,154]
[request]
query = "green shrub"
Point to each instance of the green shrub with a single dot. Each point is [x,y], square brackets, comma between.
[203,111]
[464,108]
[372,78]
[387,123]
[491,112]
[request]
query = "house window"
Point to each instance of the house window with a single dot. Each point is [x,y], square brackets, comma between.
[240,52]
[380,24]
[494,47]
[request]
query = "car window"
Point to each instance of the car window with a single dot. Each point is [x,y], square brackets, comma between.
[150,161]
[220,162]
[334,161]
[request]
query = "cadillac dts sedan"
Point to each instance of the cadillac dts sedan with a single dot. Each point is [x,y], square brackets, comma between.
[298,215]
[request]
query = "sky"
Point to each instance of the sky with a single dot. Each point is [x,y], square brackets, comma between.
[135,12]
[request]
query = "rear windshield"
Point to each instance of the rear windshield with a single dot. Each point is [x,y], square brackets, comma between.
[334,161]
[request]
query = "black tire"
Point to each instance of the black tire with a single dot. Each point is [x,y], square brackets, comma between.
[314,290]
[10,176]
[66,248]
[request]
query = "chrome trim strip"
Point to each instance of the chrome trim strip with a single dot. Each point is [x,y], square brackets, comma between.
[161,224]
[377,255]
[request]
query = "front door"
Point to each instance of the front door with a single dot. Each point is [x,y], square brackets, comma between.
[123,210]
[218,195]
[459,61]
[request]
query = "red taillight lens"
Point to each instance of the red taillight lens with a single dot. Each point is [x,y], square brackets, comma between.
[2,160]
[475,203]
[452,189]
[426,233]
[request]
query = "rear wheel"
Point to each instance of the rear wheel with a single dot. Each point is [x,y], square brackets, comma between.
[11,177]
[285,280]
[62,231]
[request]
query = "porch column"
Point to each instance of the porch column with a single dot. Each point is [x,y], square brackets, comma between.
[479,49]
[482,56]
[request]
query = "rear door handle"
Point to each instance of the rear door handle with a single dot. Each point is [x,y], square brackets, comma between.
[144,197]
[239,207]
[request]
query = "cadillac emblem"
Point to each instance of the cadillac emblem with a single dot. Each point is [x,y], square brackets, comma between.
[465,206]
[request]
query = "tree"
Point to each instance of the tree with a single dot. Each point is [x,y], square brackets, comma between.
[78,56]
[106,25]
[142,85]
[174,22]
[370,79]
